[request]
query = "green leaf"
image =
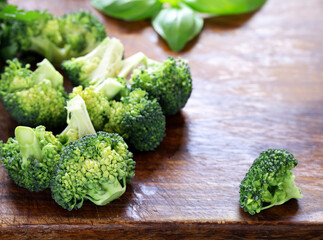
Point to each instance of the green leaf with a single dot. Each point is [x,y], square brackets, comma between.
[129,10]
[177,26]
[223,7]
[11,12]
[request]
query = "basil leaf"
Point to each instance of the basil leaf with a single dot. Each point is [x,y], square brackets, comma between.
[177,26]
[129,10]
[11,12]
[223,7]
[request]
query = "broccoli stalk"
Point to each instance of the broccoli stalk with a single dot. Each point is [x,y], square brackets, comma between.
[110,88]
[131,62]
[78,120]
[45,70]
[107,192]
[269,181]
[101,63]
[284,192]
[28,143]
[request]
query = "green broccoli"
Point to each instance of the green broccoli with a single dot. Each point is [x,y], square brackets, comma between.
[269,181]
[137,119]
[95,167]
[30,157]
[78,120]
[170,83]
[101,63]
[34,98]
[10,21]
[61,38]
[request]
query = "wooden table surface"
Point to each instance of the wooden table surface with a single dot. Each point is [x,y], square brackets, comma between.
[258,84]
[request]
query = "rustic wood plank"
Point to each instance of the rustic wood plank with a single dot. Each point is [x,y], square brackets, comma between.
[257,85]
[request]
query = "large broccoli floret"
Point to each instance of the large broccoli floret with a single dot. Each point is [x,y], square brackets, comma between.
[170,83]
[269,181]
[98,65]
[95,167]
[112,108]
[78,120]
[30,157]
[61,38]
[34,98]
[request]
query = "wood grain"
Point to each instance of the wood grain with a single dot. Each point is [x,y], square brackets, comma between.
[258,84]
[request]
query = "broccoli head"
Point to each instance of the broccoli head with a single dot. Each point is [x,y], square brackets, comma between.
[30,157]
[61,38]
[138,120]
[34,98]
[78,120]
[170,83]
[269,181]
[101,63]
[95,167]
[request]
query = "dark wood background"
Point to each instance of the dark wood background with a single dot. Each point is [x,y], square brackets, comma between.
[258,84]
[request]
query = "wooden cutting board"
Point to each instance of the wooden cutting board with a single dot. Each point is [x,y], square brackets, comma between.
[258,84]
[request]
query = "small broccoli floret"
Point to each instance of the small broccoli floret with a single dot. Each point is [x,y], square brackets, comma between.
[170,83]
[34,98]
[95,167]
[101,63]
[30,157]
[138,120]
[269,181]
[78,120]
[61,38]
[97,99]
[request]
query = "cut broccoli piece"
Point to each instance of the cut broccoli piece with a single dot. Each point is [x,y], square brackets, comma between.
[61,38]
[34,98]
[137,119]
[101,63]
[170,83]
[78,120]
[269,181]
[95,167]
[31,157]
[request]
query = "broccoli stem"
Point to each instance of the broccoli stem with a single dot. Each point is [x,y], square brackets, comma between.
[47,71]
[78,120]
[109,87]
[131,62]
[28,143]
[286,191]
[107,193]
[110,62]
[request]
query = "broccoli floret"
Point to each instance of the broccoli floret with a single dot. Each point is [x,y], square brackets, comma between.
[95,167]
[30,157]
[61,38]
[78,120]
[170,83]
[97,100]
[269,181]
[101,63]
[34,98]
[138,120]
